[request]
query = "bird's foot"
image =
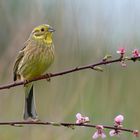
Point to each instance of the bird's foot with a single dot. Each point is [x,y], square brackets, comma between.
[32,120]
[48,77]
[25,82]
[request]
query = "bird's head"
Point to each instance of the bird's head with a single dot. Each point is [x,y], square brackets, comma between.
[43,32]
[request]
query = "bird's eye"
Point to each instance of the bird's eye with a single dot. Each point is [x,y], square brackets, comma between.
[42,29]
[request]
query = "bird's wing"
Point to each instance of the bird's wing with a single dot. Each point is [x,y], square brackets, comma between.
[16,65]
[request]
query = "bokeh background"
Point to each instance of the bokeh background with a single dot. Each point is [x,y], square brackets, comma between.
[86,30]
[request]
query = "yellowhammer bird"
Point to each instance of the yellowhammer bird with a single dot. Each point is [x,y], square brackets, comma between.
[32,61]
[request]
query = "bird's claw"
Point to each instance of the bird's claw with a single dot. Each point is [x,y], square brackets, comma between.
[48,77]
[32,120]
[25,82]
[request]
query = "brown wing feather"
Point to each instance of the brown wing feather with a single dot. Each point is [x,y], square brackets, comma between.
[18,60]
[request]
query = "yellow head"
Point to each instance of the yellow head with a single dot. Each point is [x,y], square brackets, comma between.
[43,33]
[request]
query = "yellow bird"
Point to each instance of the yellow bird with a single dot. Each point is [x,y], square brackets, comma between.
[32,61]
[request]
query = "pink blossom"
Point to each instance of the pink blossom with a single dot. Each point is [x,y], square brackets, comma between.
[118,124]
[99,132]
[136,133]
[121,51]
[135,53]
[119,119]
[123,64]
[114,133]
[81,119]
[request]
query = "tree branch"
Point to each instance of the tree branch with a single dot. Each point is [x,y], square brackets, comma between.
[116,129]
[65,124]
[90,66]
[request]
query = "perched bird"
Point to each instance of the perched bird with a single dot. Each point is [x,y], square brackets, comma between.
[32,61]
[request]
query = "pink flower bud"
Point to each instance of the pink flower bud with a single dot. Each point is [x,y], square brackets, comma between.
[123,64]
[99,132]
[81,119]
[78,116]
[136,133]
[135,53]
[119,119]
[121,51]
[114,133]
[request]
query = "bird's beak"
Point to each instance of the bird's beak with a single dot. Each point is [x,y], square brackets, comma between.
[51,29]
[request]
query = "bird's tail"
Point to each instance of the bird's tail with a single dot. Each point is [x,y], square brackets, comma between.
[30,109]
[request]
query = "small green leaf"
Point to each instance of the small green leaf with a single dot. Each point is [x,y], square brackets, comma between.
[106,57]
[127,58]
[17,125]
[97,68]
[55,124]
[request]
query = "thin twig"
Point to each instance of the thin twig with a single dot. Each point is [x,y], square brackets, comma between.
[65,124]
[47,76]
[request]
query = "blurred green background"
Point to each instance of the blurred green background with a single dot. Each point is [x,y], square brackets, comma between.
[86,30]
